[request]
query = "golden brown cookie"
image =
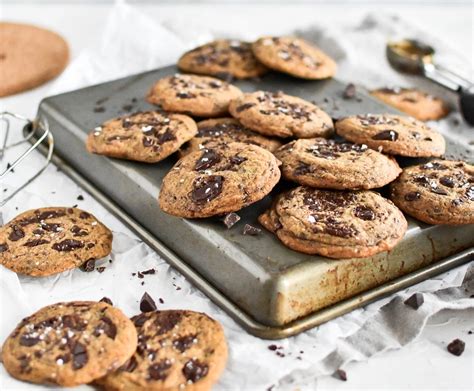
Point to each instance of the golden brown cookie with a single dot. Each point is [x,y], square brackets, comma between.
[281,115]
[47,241]
[147,136]
[333,164]
[223,58]
[199,96]
[212,182]
[438,192]
[68,344]
[417,103]
[294,56]
[29,57]
[392,134]
[335,224]
[176,350]
[217,133]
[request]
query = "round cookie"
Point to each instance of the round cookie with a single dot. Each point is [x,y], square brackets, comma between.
[47,241]
[29,57]
[438,192]
[335,224]
[217,133]
[294,56]
[418,104]
[68,344]
[332,164]
[392,134]
[199,96]
[281,115]
[176,350]
[212,182]
[222,58]
[147,136]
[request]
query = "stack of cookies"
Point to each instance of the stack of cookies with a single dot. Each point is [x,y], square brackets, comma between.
[250,141]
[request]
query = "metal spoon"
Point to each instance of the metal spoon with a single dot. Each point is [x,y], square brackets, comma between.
[415,57]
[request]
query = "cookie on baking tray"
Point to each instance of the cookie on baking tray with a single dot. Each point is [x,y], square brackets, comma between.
[281,115]
[438,192]
[199,96]
[29,56]
[216,133]
[335,224]
[212,182]
[334,164]
[223,58]
[392,134]
[68,344]
[417,103]
[47,241]
[294,56]
[176,350]
[148,136]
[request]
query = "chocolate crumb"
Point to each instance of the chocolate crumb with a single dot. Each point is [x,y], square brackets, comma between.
[272,347]
[349,91]
[340,374]
[101,269]
[251,230]
[456,347]
[161,301]
[99,109]
[231,219]
[88,266]
[415,301]
[149,271]
[147,304]
[80,197]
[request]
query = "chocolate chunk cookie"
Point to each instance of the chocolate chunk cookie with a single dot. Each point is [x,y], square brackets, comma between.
[295,57]
[335,224]
[336,165]
[217,181]
[217,133]
[51,240]
[176,350]
[416,103]
[199,96]
[68,344]
[392,134]
[281,115]
[438,192]
[223,58]
[146,136]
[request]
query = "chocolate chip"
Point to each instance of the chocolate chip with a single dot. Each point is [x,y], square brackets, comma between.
[194,370]
[208,159]
[243,107]
[207,188]
[340,374]
[165,137]
[456,347]
[88,266]
[251,230]
[16,234]
[106,300]
[3,247]
[147,304]
[140,320]
[166,321]
[28,340]
[349,91]
[68,245]
[184,343]
[35,242]
[130,365]
[387,135]
[84,215]
[159,370]
[415,301]
[231,219]
[364,212]
[79,356]
[77,231]
[447,181]
[107,327]
[412,196]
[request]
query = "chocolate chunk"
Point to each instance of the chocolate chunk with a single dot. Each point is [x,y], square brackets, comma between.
[107,327]
[387,135]
[149,271]
[68,245]
[77,231]
[456,347]
[165,137]
[147,141]
[349,91]
[243,107]
[231,219]
[51,227]
[84,215]
[80,197]
[79,356]
[35,242]
[106,300]
[251,230]
[340,374]
[88,266]
[272,347]
[3,247]
[207,188]
[16,234]
[130,365]
[139,320]
[184,343]
[28,340]
[415,301]
[166,321]
[447,181]
[194,370]
[237,160]
[159,370]
[208,159]
[364,212]
[412,196]
[147,304]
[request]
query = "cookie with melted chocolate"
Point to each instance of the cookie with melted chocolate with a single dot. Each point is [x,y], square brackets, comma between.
[68,344]
[223,57]
[214,182]
[294,56]
[148,136]
[199,96]
[333,164]
[335,224]
[438,192]
[281,115]
[46,241]
[176,350]
[392,134]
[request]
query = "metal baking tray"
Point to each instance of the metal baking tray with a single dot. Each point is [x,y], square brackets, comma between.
[273,292]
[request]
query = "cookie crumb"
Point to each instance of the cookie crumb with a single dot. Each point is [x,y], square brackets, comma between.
[456,347]
[415,301]
[147,304]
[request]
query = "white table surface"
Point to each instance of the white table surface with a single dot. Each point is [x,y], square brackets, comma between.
[424,364]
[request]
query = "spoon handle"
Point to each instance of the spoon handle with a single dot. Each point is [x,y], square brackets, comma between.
[466,103]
